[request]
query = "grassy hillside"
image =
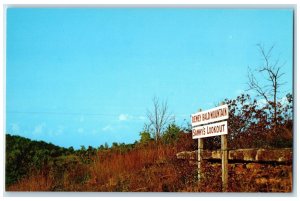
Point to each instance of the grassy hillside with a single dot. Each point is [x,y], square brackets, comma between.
[24,155]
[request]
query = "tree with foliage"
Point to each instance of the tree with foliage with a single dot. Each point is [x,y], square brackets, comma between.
[145,137]
[114,145]
[101,147]
[250,124]
[24,156]
[171,135]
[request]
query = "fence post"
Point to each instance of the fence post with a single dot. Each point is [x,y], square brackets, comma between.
[200,148]
[224,152]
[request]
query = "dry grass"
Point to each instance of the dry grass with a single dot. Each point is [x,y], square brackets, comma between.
[38,182]
[144,169]
[154,169]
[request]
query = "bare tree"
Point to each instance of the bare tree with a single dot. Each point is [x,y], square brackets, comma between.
[158,117]
[271,72]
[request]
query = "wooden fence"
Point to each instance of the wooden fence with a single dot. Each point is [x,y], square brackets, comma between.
[284,155]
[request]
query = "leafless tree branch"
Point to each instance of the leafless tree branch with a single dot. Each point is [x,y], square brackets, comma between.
[272,71]
[158,117]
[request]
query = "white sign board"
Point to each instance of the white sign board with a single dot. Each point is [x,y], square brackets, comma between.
[211,115]
[210,130]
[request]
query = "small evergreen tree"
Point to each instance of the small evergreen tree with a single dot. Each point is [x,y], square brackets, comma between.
[145,137]
[171,135]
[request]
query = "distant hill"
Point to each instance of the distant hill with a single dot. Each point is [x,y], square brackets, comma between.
[24,155]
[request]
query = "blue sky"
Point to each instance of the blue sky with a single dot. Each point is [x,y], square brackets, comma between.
[87,76]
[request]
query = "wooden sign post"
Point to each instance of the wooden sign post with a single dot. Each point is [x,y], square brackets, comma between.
[224,162]
[200,148]
[203,126]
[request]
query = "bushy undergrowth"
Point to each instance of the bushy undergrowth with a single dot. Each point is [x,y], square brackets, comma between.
[151,168]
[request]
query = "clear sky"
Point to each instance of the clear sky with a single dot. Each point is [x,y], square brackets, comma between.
[87,76]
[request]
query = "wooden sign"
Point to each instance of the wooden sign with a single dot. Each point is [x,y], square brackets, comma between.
[211,115]
[200,131]
[210,130]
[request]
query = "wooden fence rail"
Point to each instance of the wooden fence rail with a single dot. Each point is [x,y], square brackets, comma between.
[284,155]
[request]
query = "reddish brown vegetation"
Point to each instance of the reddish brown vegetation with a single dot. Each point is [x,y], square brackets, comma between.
[148,167]
[154,168]
[251,177]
